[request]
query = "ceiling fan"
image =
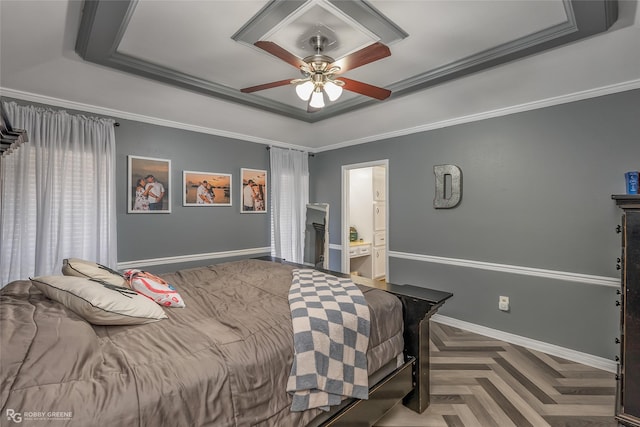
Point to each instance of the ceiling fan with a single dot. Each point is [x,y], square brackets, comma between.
[320,71]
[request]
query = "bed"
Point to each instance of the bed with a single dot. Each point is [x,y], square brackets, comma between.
[222,360]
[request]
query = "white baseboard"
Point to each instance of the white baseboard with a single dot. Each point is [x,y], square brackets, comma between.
[552,349]
[193,257]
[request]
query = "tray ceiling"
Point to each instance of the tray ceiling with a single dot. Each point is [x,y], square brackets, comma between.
[207,46]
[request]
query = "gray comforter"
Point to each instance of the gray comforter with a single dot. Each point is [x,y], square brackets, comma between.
[223,360]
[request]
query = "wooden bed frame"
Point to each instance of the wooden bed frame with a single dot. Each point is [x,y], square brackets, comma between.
[408,383]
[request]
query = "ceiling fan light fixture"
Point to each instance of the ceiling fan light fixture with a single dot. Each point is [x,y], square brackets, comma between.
[304,90]
[317,99]
[333,90]
[319,72]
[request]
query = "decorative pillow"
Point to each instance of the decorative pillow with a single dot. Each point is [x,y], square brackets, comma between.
[92,270]
[99,303]
[154,287]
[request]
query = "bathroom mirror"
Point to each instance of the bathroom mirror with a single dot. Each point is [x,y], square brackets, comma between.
[316,235]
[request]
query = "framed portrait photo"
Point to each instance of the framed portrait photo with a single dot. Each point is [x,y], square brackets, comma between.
[206,189]
[253,191]
[149,185]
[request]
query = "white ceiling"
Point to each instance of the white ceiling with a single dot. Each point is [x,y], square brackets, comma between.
[38,62]
[152,34]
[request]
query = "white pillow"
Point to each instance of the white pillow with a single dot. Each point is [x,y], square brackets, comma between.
[92,270]
[100,304]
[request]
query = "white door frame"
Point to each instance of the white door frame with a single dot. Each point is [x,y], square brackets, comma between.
[344,217]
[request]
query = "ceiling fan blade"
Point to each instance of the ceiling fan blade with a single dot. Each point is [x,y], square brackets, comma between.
[365,89]
[279,52]
[265,86]
[362,57]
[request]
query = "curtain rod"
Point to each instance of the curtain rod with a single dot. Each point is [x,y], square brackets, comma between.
[310,154]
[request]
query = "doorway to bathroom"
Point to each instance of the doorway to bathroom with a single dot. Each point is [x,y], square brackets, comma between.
[364,219]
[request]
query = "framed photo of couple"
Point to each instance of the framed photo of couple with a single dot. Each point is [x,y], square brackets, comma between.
[253,195]
[149,185]
[206,189]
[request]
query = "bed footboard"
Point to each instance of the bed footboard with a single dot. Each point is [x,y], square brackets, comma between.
[410,382]
[417,312]
[382,397]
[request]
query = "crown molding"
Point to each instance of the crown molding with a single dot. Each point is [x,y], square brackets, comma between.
[499,112]
[110,112]
[519,108]
[104,23]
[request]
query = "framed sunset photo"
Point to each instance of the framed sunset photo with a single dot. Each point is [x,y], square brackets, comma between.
[206,188]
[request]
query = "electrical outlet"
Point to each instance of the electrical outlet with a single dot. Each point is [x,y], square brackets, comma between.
[503,303]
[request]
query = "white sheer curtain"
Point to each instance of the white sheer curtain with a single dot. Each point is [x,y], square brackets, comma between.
[289,198]
[57,193]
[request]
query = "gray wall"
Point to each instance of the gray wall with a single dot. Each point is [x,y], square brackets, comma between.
[537,192]
[187,230]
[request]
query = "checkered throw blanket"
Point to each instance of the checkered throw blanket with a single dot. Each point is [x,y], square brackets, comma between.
[330,336]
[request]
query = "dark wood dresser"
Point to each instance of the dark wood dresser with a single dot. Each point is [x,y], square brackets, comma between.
[628,395]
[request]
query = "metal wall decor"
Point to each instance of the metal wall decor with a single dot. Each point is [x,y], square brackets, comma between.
[447,197]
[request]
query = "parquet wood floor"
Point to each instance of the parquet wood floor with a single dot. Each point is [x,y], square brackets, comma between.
[480,381]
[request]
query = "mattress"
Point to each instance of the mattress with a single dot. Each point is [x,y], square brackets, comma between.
[222,360]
